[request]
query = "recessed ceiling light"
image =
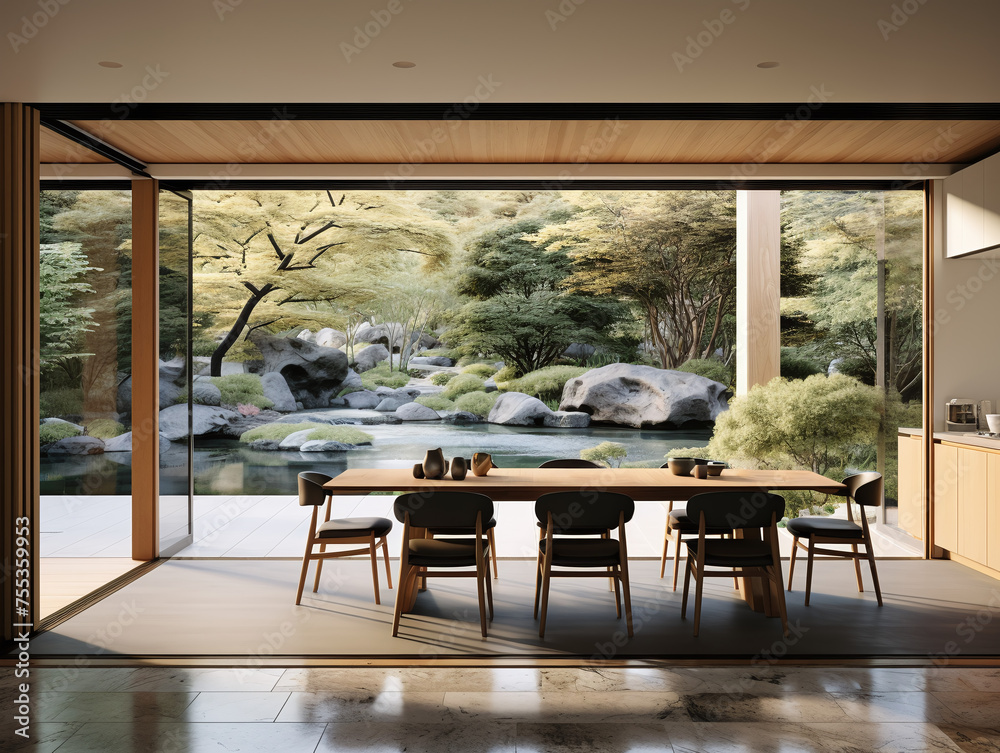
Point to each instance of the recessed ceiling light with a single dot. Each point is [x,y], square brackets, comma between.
[404,64]
[768,64]
[109,64]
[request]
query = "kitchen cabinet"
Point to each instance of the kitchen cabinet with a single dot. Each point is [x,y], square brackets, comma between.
[991,196]
[946,497]
[910,495]
[972,504]
[972,208]
[993,512]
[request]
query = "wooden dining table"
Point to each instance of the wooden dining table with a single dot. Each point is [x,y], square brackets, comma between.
[641,484]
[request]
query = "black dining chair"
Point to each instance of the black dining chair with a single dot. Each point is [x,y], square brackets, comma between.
[568,518]
[756,555]
[443,557]
[369,531]
[865,489]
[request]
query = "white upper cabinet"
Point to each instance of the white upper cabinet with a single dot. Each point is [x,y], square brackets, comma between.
[972,208]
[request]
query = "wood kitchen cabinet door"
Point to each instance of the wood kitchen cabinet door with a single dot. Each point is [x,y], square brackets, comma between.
[946,497]
[911,498]
[993,512]
[972,524]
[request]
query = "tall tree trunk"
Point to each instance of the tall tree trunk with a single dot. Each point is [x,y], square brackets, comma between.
[256,296]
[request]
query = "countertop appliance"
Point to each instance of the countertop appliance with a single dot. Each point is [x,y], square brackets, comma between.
[961,414]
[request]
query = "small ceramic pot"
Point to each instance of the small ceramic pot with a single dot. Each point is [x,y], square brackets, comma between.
[481,463]
[418,470]
[435,466]
[681,466]
[459,469]
[715,467]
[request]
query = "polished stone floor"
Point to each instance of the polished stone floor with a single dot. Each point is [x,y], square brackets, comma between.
[630,709]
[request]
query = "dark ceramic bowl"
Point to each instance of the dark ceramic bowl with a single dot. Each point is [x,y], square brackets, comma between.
[715,467]
[681,466]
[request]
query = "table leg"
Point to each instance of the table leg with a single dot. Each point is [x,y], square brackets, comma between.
[752,589]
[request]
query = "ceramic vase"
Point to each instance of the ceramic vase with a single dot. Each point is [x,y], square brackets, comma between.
[459,469]
[435,465]
[418,471]
[481,463]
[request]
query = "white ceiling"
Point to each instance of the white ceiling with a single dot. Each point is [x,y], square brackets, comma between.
[602,51]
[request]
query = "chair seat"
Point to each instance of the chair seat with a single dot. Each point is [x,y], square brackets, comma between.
[578,531]
[582,552]
[817,525]
[459,531]
[733,552]
[346,528]
[679,520]
[444,552]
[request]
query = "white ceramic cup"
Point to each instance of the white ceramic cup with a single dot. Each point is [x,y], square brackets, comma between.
[993,422]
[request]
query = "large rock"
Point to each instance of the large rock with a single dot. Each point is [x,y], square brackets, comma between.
[562,419]
[400,394]
[204,392]
[276,390]
[123,443]
[76,446]
[314,374]
[579,351]
[123,401]
[228,367]
[296,439]
[172,370]
[638,396]
[369,357]
[362,399]
[324,445]
[306,335]
[431,361]
[518,409]
[461,417]
[490,385]
[416,412]
[170,393]
[352,381]
[206,420]
[388,405]
[330,338]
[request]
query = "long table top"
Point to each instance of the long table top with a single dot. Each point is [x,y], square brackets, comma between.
[657,484]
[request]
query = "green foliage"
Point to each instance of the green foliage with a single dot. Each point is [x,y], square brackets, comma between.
[481,370]
[55,431]
[66,401]
[441,378]
[710,368]
[829,508]
[279,431]
[105,428]
[480,403]
[452,353]
[349,390]
[63,284]
[610,454]
[461,384]
[383,376]
[691,452]
[436,402]
[545,384]
[798,364]
[242,388]
[505,375]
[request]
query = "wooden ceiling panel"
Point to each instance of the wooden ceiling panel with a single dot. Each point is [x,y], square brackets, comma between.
[549,141]
[56,148]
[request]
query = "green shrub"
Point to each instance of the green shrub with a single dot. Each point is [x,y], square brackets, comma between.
[505,375]
[690,452]
[461,384]
[453,353]
[610,454]
[277,432]
[441,378]
[480,403]
[481,370]
[382,376]
[436,402]
[55,431]
[67,401]
[796,364]
[829,508]
[710,368]
[242,388]
[545,384]
[105,428]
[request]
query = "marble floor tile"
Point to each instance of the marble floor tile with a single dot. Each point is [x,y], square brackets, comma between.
[891,706]
[43,737]
[111,707]
[391,737]
[250,706]
[971,708]
[603,679]
[155,679]
[750,707]
[973,740]
[100,737]
[622,707]
[364,706]
[592,738]
[734,737]
[987,680]
[443,679]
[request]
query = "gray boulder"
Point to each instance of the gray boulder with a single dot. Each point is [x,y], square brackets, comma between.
[205,393]
[76,446]
[639,396]
[579,351]
[562,419]
[172,370]
[363,399]
[518,409]
[169,393]
[461,417]
[306,335]
[296,439]
[416,412]
[369,357]
[330,338]
[206,420]
[123,443]
[264,444]
[276,390]
[314,374]
[228,367]
[388,405]
[490,385]
[324,445]
[431,361]
[401,394]
[352,381]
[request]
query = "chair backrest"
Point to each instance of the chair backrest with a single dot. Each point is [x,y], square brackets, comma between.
[865,488]
[439,509]
[586,508]
[311,490]
[570,463]
[736,509]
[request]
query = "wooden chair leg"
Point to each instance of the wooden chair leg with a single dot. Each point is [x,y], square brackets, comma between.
[871,563]
[626,593]
[482,575]
[489,595]
[687,583]
[677,556]
[493,552]
[699,586]
[663,557]
[780,591]
[385,556]
[618,599]
[405,585]
[857,567]
[546,580]
[538,586]
[302,578]
[611,580]
[809,570]
[791,561]
[374,555]
[319,568]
